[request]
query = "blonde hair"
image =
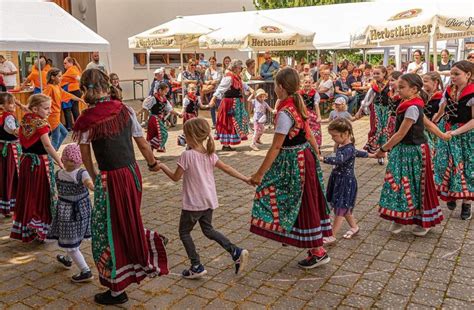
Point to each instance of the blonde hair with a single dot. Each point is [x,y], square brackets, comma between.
[198,130]
[6,98]
[289,79]
[342,125]
[37,100]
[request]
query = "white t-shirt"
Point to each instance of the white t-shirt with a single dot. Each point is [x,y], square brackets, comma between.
[199,186]
[422,70]
[100,66]
[8,66]
[71,176]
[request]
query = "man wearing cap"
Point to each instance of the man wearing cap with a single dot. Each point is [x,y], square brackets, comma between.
[159,78]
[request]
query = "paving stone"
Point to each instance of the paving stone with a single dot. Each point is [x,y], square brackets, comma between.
[388,300]
[358,301]
[460,291]
[286,302]
[369,288]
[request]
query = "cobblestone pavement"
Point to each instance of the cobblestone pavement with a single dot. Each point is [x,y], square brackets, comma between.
[373,270]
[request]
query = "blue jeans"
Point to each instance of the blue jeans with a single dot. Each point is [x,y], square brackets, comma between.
[214,112]
[58,135]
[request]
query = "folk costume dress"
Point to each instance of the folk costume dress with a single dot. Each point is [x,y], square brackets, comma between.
[381,124]
[290,206]
[123,250]
[9,162]
[342,186]
[191,107]
[72,220]
[454,161]
[408,194]
[311,101]
[232,118]
[36,194]
[157,133]
[431,108]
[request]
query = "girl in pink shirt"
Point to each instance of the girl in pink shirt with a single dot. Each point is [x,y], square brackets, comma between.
[196,166]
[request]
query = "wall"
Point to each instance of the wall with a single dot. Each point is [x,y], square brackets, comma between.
[119,19]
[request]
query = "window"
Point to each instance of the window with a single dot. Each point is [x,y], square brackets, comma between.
[160,59]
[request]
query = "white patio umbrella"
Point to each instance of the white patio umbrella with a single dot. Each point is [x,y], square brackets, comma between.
[180,32]
[431,21]
[258,32]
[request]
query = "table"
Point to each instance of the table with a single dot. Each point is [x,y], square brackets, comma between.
[136,82]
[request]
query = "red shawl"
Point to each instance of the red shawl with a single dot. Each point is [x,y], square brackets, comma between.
[311,92]
[376,88]
[405,104]
[469,89]
[289,105]
[105,119]
[236,80]
[31,129]
[436,96]
[192,97]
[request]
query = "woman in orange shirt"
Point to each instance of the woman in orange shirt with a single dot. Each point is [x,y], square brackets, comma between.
[58,95]
[34,76]
[70,83]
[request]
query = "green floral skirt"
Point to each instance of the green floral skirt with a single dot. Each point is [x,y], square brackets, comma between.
[290,206]
[454,166]
[408,195]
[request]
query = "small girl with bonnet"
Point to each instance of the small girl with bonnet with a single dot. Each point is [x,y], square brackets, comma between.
[72,217]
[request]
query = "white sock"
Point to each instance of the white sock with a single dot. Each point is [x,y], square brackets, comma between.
[115,294]
[79,260]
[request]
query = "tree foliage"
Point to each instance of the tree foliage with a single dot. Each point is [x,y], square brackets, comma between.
[278,4]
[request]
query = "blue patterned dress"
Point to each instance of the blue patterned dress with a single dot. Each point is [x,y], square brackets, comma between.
[342,186]
[72,221]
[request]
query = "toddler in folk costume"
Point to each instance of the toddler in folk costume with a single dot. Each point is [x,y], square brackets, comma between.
[72,220]
[260,107]
[10,150]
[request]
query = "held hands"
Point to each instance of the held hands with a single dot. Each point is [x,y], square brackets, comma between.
[256,179]
[212,103]
[448,135]
[373,155]
[156,166]
[358,115]
[247,180]
[379,154]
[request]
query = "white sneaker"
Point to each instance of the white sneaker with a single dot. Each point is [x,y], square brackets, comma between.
[420,231]
[395,228]
[254,147]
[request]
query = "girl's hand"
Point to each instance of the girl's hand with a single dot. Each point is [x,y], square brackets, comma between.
[358,115]
[247,180]
[256,179]
[274,112]
[448,135]
[372,155]
[60,164]
[213,102]
[321,158]
[318,119]
[379,154]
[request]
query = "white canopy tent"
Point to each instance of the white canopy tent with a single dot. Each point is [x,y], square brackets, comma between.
[45,27]
[259,32]
[423,22]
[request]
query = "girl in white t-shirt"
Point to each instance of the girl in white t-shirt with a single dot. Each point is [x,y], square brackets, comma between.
[196,166]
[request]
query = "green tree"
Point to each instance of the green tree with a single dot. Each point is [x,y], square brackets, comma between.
[278,4]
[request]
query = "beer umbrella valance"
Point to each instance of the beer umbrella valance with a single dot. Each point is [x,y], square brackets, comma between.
[258,32]
[438,20]
[180,32]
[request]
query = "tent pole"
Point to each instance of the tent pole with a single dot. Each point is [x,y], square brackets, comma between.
[40,73]
[148,51]
[109,61]
[182,70]
[364,55]
[318,63]
[398,57]
[435,54]
[427,54]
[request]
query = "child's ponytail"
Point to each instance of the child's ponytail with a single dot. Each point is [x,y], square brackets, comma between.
[210,145]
